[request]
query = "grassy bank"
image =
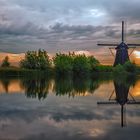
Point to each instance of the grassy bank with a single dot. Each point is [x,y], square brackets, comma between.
[20,72]
[98,70]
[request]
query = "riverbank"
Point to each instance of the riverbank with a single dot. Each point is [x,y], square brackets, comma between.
[98,70]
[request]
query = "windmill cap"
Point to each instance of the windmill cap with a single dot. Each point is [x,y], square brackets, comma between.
[122,46]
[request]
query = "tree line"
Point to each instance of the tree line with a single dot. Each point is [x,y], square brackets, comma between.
[66,63]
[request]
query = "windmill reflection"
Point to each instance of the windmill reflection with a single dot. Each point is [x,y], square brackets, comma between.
[122,97]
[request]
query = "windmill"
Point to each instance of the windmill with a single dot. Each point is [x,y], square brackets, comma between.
[122,98]
[121,50]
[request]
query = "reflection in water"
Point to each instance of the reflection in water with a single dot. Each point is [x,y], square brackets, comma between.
[5,84]
[75,86]
[61,118]
[121,90]
[36,88]
[10,85]
[40,87]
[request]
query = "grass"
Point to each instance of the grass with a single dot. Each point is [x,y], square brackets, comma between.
[20,72]
[100,69]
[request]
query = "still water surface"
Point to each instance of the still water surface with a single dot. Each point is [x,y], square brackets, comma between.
[69,109]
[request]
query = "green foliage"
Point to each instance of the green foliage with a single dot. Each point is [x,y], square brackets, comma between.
[5,62]
[81,64]
[69,63]
[119,69]
[130,67]
[93,62]
[103,68]
[63,63]
[36,60]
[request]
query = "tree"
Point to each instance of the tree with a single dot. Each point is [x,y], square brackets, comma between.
[93,62]
[63,63]
[81,64]
[36,60]
[5,62]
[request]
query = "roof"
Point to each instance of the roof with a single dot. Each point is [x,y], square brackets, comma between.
[122,46]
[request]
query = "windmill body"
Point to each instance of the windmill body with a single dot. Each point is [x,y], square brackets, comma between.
[121,54]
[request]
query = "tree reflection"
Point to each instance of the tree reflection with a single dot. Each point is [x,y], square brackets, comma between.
[76,86]
[5,84]
[71,86]
[63,86]
[36,87]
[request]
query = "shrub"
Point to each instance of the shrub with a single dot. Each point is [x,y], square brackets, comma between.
[119,69]
[36,60]
[63,63]
[103,68]
[81,64]
[93,62]
[130,67]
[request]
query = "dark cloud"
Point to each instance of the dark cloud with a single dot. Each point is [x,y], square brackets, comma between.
[116,9]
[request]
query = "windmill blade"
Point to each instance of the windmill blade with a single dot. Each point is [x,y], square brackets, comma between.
[112,52]
[123,115]
[125,123]
[132,97]
[132,51]
[107,103]
[107,44]
[122,31]
[137,45]
[111,94]
[133,103]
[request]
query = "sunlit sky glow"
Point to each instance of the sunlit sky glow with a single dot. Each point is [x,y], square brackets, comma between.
[137,54]
[67,25]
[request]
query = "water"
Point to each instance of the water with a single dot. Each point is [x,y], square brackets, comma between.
[69,109]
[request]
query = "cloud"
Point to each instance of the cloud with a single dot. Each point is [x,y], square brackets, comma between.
[68,9]
[64,25]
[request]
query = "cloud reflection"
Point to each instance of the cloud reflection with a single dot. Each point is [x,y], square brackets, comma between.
[59,117]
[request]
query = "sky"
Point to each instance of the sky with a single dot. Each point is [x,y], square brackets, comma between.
[67,25]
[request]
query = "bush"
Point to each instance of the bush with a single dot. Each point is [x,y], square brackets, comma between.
[81,64]
[68,63]
[63,63]
[36,60]
[93,62]
[130,67]
[103,68]
[119,69]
